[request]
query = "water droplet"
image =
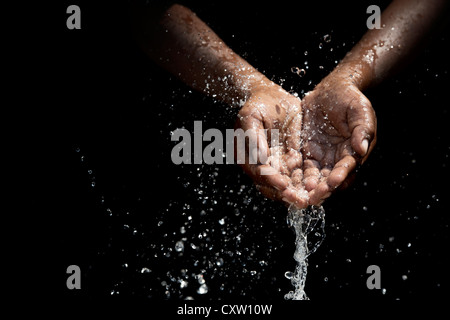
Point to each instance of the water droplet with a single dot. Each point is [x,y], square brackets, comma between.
[289,275]
[320,45]
[179,246]
[145,270]
[219,262]
[183,284]
[222,221]
[404,277]
[200,279]
[203,289]
[327,38]
[298,71]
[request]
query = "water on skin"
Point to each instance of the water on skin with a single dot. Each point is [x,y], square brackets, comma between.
[303,221]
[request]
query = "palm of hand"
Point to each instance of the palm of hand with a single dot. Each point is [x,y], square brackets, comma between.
[338,125]
[277,115]
[312,156]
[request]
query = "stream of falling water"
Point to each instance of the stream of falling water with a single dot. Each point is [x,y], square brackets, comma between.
[303,221]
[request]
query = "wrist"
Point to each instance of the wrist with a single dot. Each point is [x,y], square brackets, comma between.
[356,73]
[242,81]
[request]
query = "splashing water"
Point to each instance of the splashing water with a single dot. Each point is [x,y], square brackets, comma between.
[303,222]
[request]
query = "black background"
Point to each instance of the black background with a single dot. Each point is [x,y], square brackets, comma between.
[102,105]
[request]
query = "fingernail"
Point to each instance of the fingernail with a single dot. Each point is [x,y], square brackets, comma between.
[365,145]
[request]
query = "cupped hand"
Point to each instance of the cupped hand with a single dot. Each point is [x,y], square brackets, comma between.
[339,132]
[272,120]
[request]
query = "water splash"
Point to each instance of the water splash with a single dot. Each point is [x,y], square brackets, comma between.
[303,221]
[298,71]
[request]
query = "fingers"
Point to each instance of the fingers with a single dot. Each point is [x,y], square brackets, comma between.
[268,179]
[332,180]
[267,176]
[293,159]
[311,173]
[257,147]
[276,185]
[361,140]
[277,170]
[297,177]
[319,194]
[340,171]
[270,192]
[281,188]
[297,196]
[289,196]
[348,181]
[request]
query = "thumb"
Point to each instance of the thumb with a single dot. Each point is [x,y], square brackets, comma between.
[251,139]
[363,123]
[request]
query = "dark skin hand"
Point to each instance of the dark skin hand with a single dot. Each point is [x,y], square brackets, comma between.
[183,44]
[339,130]
[280,176]
[339,125]
[323,138]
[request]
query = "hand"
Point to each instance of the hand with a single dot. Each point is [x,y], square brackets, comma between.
[339,132]
[277,161]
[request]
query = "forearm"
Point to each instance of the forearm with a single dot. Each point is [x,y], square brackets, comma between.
[382,52]
[184,45]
